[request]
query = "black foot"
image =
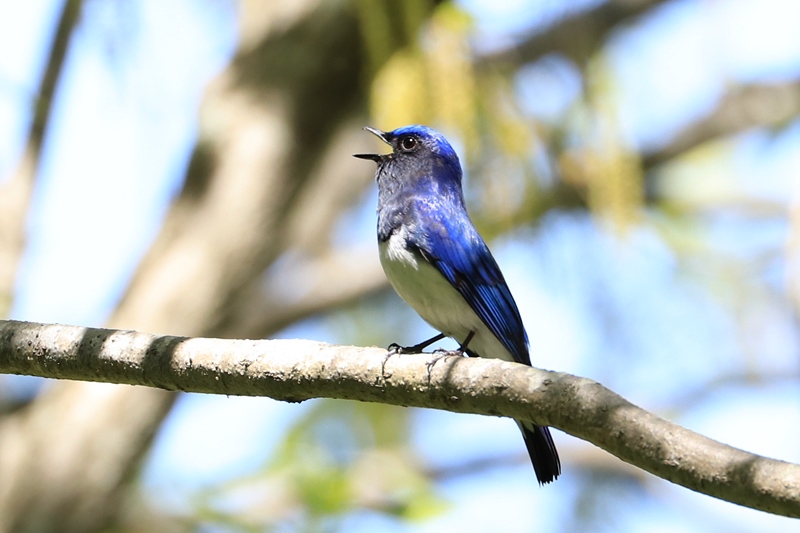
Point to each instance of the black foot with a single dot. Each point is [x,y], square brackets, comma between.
[395,348]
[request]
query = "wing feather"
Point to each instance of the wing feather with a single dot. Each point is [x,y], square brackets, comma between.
[457,251]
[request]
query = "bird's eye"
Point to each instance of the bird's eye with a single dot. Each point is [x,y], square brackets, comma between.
[408,143]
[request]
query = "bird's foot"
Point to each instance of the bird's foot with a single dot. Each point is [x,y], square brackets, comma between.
[440,354]
[395,348]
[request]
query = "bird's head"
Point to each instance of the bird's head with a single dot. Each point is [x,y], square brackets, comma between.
[416,146]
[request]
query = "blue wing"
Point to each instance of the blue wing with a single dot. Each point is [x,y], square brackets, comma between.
[456,249]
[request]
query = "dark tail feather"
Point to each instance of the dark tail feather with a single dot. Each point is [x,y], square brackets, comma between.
[542,450]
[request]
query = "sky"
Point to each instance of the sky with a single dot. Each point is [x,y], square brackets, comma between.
[125,121]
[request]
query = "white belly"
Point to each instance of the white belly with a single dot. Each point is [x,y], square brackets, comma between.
[429,293]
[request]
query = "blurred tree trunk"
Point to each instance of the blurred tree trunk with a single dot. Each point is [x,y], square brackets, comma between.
[15,194]
[260,181]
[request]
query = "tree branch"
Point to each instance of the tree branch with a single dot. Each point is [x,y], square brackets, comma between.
[576,36]
[296,370]
[741,108]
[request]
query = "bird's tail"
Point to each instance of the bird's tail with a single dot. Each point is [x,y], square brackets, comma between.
[542,450]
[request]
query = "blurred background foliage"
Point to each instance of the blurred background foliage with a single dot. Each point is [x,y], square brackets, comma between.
[184,167]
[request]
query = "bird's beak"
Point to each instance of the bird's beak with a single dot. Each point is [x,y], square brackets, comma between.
[380,135]
[373,157]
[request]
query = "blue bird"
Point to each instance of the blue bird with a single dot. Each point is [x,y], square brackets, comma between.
[438,263]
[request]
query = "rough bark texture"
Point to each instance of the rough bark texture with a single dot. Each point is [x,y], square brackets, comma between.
[296,370]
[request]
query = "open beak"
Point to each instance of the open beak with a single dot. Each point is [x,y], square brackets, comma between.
[380,135]
[373,157]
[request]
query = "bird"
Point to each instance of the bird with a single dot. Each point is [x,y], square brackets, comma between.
[435,259]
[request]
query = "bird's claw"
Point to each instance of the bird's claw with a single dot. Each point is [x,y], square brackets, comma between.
[390,352]
[444,352]
[395,349]
[417,348]
[392,349]
[439,354]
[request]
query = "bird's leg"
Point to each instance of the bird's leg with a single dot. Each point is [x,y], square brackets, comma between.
[463,347]
[440,354]
[395,349]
